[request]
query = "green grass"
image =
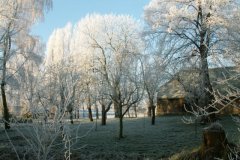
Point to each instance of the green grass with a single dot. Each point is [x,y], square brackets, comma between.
[142,140]
[168,136]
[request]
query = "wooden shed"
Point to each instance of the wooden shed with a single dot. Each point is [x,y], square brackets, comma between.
[176,93]
[171,98]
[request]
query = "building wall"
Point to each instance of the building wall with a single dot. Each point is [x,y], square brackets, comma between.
[231,108]
[176,106]
[170,106]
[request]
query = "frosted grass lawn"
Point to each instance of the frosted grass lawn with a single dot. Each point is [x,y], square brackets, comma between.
[142,140]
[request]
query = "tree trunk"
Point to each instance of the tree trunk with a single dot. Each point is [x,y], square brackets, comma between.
[89,109]
[61,107]
[83,112]
[97,114]
[153,114]
[30,100]
[5,108]
[135,110]
[120,127]
[104,115]
[205,86]
[152,109]
[90,114]
[62,101]
[71,116]
[149,111]
[7,47]
[120,135]
[75,113]
[104,111]
[46,116]
[116,110]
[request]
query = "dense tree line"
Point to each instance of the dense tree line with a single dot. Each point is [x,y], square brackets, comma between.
[112,60]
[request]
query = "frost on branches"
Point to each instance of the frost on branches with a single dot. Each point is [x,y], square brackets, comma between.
[16,19]
[105,51]
[198,29]
[178,14]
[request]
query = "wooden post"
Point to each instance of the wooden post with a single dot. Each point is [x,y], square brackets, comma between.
[215,143]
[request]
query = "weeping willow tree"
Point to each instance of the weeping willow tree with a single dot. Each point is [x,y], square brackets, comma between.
[16,18]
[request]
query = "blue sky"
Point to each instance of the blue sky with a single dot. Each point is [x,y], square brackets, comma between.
[65,11]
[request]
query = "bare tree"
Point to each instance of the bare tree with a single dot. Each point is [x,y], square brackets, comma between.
[195,27]
[113,43]
[153,76]
[62,71]
[14,25]
[103,98]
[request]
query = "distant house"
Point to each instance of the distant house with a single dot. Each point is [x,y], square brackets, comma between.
[171,98]
[182,90]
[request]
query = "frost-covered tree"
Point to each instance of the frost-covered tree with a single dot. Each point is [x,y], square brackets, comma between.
[232,40]
[62,73]
[16,18]
[58,46]
[103,97]
[27,77]
[153,77]
[113,45]
[195,27]
[84,59]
